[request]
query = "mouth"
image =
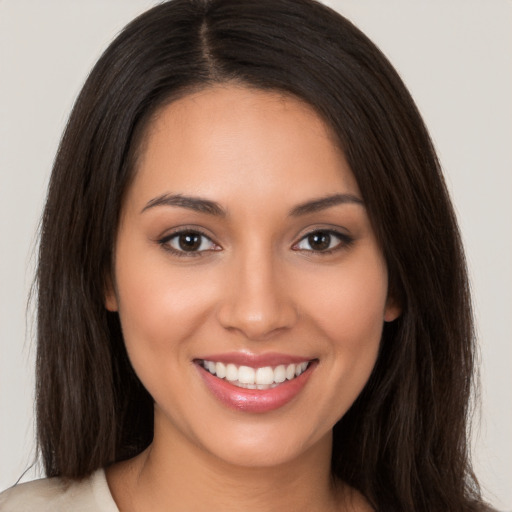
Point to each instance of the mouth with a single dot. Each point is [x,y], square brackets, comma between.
[264,386]
[265,377]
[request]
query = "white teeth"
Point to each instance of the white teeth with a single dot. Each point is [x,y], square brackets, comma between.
[280,374]
[255,378]
[300,368]
[231,372]
[220,370]
[246,375]
[265,375]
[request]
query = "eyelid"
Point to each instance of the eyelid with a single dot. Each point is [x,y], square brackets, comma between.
[164,241]
[345,240]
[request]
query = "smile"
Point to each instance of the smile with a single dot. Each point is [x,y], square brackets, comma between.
[266,377]
[255,384]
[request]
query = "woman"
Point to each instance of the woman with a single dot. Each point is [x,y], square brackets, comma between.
[212,335]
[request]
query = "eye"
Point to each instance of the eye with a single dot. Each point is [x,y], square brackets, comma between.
[191,242]
[323,241]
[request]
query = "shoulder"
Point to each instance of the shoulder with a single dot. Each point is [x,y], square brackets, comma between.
[59,495]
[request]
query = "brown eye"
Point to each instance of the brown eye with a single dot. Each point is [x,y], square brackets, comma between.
[319,241]
[191,242]
[323,242]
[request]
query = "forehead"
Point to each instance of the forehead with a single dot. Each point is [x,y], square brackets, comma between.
[227,140]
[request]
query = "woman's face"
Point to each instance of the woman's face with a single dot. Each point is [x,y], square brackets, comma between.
[249,283]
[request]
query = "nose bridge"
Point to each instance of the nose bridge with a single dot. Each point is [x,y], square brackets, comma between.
[258,302]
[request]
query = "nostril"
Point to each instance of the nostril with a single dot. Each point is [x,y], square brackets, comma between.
[257,321]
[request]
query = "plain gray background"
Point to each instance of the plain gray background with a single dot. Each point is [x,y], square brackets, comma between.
[454,55]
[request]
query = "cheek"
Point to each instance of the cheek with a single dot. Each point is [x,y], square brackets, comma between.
[160,312]
[351,316]
[160,306]
[350,303]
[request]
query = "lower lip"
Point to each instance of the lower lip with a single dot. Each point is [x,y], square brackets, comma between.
[255,400]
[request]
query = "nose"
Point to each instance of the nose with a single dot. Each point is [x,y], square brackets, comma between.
[258,299]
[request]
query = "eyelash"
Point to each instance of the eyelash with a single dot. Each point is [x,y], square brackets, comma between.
[166,240]
[344,241]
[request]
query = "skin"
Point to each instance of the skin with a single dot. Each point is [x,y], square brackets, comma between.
[256,285]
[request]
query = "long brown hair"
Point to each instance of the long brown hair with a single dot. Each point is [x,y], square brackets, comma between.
[403,443]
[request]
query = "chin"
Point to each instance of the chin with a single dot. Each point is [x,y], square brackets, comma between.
[267,451]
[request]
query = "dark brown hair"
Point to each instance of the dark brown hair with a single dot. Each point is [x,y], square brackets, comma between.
[403,443]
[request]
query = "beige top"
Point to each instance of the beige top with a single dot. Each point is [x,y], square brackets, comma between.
[57,495]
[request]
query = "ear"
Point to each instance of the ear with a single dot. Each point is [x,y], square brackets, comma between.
[111,302]
[393,309]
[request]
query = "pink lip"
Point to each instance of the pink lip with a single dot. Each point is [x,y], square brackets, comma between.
[255,400]
[255,360]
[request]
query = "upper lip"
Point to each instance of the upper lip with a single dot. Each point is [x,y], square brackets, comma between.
[255,360]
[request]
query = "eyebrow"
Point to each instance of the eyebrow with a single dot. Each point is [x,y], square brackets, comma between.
[192,203]
[323,203]
[212,208]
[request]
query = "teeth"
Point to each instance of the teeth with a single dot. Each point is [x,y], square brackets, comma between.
[255,378]
[231,372]
[220,370]
[265,375]
[246,375]
[300,368]
[280,374]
